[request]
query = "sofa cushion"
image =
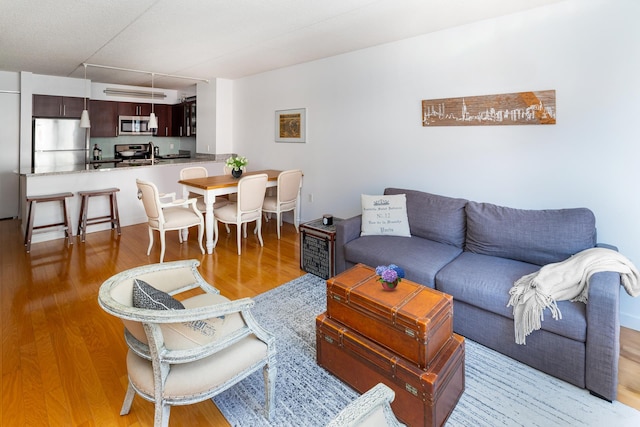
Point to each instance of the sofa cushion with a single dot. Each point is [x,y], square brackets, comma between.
[534,236]
[420,258]
[484,282]
[384,215]
[434,217]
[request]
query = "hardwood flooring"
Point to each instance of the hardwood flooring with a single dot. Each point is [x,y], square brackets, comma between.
[63,358]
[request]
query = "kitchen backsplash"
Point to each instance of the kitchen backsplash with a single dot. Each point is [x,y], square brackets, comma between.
[167,145]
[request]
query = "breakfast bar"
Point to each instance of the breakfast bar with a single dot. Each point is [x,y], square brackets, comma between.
[164,174]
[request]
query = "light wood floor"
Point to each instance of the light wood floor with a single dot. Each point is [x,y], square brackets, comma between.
[63,357]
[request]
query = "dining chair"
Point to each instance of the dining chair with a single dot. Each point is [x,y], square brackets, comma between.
[200,172]
[185,350]
[233,197]
[177,214]
[248,208]
[286,198]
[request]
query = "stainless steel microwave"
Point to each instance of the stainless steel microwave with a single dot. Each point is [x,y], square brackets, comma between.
[134,125]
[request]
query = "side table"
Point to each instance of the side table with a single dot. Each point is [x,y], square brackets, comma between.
[317,248]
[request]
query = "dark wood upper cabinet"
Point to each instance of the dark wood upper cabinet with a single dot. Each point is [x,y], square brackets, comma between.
[184,118]
[57,106]
[133,109]
[177,120]
[104,119]
[163,113]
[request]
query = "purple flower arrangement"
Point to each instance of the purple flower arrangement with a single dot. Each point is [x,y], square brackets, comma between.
[390,274]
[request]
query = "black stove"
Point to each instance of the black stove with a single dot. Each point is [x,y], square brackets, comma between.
[130,152]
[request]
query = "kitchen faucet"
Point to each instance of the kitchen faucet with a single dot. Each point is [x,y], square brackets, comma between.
[152,150]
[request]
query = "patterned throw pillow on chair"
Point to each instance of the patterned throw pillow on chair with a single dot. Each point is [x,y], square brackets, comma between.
[187,334]
[146,296]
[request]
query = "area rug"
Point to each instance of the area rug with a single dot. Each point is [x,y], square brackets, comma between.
[499,391]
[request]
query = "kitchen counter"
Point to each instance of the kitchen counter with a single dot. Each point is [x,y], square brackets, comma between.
[165,175]
[113,164]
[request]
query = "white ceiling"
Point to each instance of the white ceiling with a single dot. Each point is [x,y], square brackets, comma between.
[214,38]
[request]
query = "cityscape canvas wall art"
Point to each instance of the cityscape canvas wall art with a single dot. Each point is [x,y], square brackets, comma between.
[521,108]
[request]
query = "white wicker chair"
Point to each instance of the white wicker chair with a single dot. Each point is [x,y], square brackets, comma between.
[170,360]
[372,409]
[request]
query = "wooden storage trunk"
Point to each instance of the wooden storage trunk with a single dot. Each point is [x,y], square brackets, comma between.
[423,397]
[413,321]
[317,248]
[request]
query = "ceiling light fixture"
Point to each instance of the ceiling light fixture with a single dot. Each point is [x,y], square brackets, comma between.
[110,91]
[153,120]
[84,117]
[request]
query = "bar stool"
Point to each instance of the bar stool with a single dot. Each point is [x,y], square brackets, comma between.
[32,201]
[84,220]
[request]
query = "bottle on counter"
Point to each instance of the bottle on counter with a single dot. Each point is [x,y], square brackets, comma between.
[97,153]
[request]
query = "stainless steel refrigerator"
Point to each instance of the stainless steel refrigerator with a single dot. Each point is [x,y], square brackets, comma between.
[59,142]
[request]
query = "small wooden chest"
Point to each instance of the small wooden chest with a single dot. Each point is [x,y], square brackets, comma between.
[413,321]
[317,248]
[423,397]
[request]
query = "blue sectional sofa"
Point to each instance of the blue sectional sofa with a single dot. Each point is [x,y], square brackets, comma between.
[475,252]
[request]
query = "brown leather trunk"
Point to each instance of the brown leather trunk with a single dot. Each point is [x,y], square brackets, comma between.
[423,397]
[413,320]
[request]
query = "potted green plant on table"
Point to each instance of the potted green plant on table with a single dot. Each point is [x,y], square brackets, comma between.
[236,164]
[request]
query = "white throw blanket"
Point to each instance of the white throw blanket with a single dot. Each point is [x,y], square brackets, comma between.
[566,280]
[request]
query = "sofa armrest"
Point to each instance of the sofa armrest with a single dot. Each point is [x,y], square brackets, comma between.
[603,335]
[607,246]
[346,231]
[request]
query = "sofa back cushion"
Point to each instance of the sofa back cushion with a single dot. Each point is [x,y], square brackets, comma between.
[534,236]
[434,217]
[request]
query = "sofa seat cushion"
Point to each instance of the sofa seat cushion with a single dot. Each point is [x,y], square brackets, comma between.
[484,281]
[420,258]
[534,236]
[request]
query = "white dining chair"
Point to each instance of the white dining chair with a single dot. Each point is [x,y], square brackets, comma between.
[286,198]
[174,215]
[200,172]
[248,208]
[233,197]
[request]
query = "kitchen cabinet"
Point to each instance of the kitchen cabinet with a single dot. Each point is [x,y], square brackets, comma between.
[190,117]
[184,118]
[177,120]
[163,114]
[104,119]
[133,109]
[57,106]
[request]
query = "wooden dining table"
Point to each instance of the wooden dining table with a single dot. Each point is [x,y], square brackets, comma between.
[219,185]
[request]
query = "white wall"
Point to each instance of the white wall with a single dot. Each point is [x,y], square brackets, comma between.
[365,133]
[206,107]
[9,143]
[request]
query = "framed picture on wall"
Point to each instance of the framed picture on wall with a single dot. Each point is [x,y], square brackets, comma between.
[291,125]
